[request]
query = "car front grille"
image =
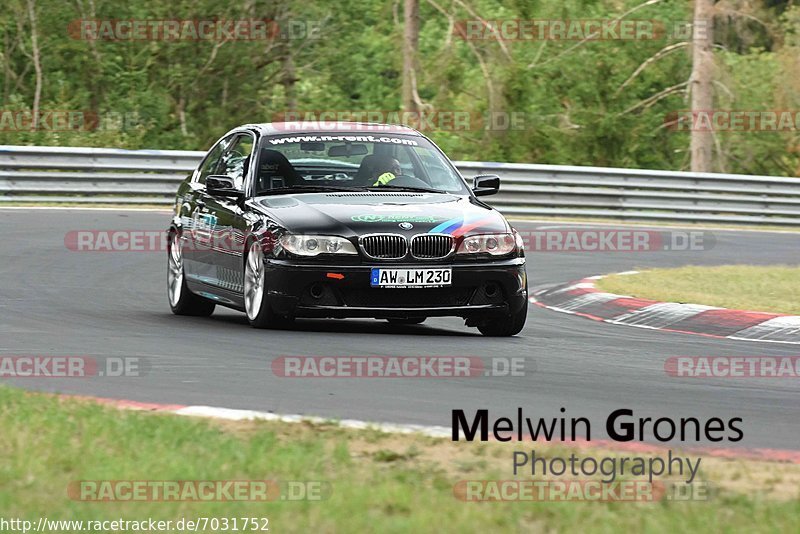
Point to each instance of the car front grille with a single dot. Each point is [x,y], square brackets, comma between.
[431,246]
[384,246]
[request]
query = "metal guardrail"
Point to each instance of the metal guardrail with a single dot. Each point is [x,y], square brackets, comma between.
[101,175]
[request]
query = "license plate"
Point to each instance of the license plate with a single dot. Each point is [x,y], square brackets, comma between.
[410,277]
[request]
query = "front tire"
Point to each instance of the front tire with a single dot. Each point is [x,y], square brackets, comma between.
[505,325]
[181,300]
[256,304]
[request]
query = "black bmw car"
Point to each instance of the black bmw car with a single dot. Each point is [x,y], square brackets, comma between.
[347,220]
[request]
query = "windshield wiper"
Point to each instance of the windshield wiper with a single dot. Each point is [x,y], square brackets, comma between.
[309,189]
[405,188]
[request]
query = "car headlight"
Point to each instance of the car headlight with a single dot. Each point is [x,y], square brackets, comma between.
[519,241]
[494,244]
[314,245]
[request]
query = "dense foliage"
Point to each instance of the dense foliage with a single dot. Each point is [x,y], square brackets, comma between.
[575,104]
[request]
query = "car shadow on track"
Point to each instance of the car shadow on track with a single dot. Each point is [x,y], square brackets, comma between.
[347,326]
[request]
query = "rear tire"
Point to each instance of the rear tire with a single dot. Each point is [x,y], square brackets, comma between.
[257,307]
[505,325]
[181,300]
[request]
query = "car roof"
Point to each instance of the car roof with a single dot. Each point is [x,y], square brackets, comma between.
[306,127]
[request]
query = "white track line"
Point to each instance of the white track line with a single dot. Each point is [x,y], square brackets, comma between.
[354,424]
[87,208]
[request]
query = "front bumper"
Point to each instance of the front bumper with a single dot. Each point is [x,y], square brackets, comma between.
[478,289]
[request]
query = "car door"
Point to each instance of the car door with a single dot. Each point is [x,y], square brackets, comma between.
[227,236]
[198,223]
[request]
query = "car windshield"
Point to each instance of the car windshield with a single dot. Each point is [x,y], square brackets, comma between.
[359,162]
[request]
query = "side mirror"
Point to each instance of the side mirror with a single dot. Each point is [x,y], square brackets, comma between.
[486,184]
[222,186]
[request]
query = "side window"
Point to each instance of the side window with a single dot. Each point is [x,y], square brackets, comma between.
[236,160]
[211,162]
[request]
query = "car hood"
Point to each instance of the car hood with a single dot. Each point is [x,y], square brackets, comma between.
[358,213]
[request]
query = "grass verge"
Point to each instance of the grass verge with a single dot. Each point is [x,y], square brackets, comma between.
[741,287]
[379,482]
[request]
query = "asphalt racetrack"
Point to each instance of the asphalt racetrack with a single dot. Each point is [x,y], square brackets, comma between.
[61,302]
